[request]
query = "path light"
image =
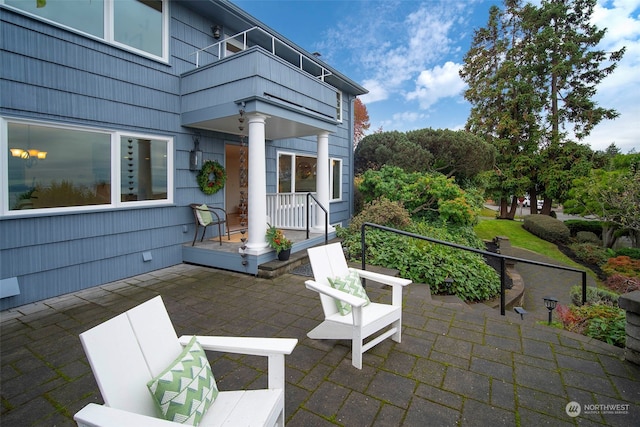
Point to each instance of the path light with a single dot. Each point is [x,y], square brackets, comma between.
[550,303]
[521,311]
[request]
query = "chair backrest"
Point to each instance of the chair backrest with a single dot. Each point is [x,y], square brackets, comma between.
[127,351]
[202,214]
[327,261]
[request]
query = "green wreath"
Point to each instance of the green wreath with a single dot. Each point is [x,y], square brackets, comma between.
[211,184]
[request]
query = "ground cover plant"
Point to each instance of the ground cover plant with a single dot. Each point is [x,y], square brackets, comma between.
[421,261]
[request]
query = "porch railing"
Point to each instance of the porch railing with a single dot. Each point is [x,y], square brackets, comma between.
[257,36]
[289,210]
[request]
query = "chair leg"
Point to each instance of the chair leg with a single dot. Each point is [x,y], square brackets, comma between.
[204,231]
[220,234]
[356,349]
[195,235]
[397,337]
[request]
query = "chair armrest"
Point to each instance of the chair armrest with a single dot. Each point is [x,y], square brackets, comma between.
[213,210]
[273,348]
[244,345]
[352,300]
[94,415]
[382,278]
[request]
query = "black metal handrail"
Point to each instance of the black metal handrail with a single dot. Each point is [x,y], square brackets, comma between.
[503,258]
[326,218]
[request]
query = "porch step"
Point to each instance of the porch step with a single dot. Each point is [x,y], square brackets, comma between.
[276,268]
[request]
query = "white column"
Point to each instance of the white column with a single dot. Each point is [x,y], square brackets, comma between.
[257,215]
[322,181]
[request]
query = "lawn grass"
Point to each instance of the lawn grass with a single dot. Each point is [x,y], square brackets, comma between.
[487,229]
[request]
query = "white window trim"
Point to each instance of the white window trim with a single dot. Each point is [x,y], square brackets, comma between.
[293,172]
[109,36]
[116,202]
[339,198]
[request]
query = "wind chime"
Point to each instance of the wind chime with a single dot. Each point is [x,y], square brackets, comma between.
[130,168]
[243,188]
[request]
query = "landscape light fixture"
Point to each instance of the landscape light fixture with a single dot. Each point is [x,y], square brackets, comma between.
[521,311]
[550,303]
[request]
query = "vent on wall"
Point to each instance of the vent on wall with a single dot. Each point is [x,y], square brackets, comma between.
[9,287]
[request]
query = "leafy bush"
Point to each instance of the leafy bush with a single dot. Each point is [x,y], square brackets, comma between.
[382,212]
[547,228]
[431,263]
[588,237]
[594,296]
[622,284]
[622,265]
[577,225]
[633,253]
[602,322]
[590,253]
[429,196]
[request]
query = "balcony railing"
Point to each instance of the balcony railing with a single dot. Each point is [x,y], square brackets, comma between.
[289,210]
[256,36]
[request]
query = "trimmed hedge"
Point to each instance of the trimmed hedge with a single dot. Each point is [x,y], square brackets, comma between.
[547,228]
[577,225]
[588,237]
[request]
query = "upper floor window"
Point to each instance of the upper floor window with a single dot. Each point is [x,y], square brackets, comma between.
[339,106]
[64,169]
[136,24]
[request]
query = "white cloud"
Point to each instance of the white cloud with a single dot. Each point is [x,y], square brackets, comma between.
[437,83]
[377,92]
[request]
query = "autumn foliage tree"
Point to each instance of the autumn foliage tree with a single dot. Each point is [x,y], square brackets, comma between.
[361,121]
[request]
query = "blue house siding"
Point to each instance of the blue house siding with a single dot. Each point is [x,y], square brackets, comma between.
[52,75]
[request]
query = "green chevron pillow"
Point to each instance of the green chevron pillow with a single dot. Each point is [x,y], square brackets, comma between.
[186,389]
[350,284]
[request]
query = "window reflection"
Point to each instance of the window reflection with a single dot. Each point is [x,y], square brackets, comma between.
[75,171]
[86,16]
[139,24]
[143,169]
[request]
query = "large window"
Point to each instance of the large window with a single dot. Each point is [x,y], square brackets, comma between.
[61,168]
[297,174]
[137,24]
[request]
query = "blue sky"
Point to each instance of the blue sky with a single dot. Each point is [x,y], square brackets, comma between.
[407,53]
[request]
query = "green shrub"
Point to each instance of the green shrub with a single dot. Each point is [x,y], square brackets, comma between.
[594,296]
[426,262]
[590,253]
[577,225]
[602,322]
[547,228]
[588,237]
[382,212]
[633,253]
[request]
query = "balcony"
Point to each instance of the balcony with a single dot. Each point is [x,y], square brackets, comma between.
[279,82]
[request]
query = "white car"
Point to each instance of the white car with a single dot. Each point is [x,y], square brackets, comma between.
[527,202]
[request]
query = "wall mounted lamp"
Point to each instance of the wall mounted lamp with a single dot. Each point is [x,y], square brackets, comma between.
[215,30]
[195,156]
[550,303]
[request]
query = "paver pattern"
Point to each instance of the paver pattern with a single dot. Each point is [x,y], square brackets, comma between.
[455,366]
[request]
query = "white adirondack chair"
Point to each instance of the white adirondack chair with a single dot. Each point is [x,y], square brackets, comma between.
[129,350]
[364,321]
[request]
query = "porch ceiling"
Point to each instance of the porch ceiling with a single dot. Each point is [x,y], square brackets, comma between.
[282,122]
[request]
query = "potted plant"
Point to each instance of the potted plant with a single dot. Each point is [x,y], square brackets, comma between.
[279,242]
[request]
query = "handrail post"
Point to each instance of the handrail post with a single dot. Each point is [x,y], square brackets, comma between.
[584,287]
[503,295]
[362,252]
[308,194]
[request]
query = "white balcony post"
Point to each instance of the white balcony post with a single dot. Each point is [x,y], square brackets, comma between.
[257,220]
[322,181]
